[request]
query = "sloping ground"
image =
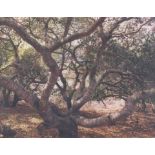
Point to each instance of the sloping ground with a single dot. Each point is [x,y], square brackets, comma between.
[25,120]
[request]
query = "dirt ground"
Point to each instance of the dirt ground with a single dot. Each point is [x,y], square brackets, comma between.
[24,120]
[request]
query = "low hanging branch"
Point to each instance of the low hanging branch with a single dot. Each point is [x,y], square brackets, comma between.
[107,120]
[122,115]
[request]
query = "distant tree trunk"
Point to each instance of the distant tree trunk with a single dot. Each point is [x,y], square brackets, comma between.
[153,107]
[143,106]
[6,95]
[15,100]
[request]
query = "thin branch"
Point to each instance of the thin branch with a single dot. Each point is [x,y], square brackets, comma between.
[131,33]
[67,25]
[78,35]
[21,31]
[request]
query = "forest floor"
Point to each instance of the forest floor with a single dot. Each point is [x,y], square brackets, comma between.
[24,120]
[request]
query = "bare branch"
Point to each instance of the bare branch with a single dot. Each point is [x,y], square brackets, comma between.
[111,71]
[31,31]
[78,35]
[118,23]
[136,31]
[20,30]
[68,23]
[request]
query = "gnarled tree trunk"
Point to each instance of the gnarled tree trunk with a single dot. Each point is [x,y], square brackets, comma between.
[68,128]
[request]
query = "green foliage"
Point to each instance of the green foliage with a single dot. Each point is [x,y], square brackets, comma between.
[6,55]
[29,69]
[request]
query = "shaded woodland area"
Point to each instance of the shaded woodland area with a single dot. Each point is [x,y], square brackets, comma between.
[77,77]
